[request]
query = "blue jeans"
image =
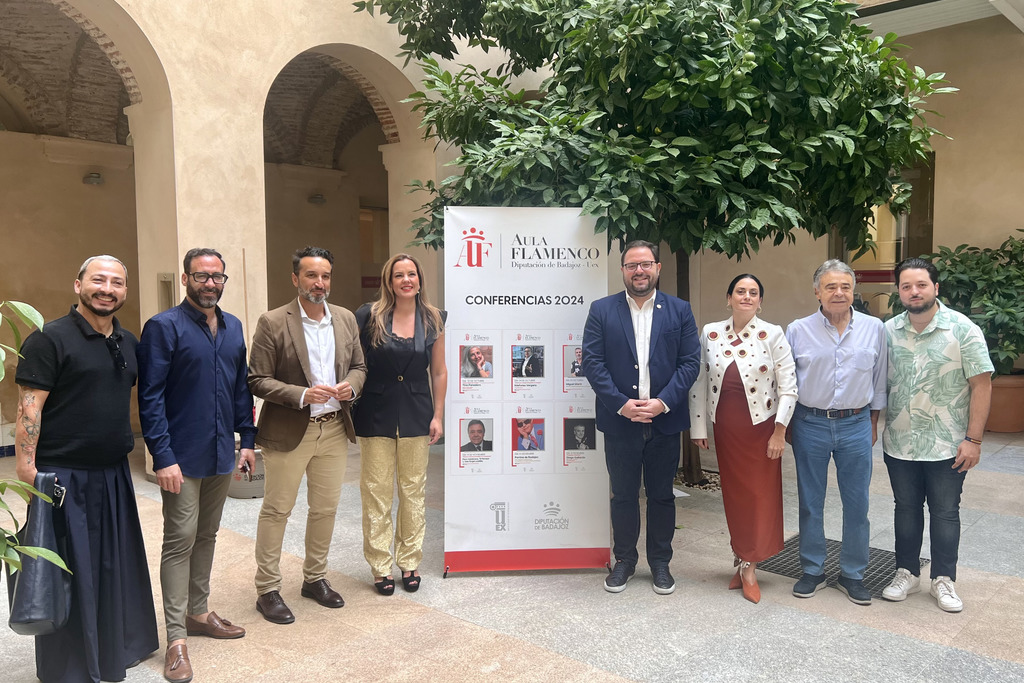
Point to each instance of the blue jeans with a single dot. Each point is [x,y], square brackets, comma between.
[913,483]
[656,457]
[847,440]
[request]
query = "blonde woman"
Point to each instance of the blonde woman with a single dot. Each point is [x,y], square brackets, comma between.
[398,416]
[747,388]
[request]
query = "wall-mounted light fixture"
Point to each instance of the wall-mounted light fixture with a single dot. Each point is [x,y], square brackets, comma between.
[92,179]
[317,199]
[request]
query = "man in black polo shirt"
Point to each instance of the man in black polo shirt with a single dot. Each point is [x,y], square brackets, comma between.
[75,382]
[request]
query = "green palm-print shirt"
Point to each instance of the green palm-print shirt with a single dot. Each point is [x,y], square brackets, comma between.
[929,397]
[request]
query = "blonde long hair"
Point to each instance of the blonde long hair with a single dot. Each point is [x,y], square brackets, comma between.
[384,305]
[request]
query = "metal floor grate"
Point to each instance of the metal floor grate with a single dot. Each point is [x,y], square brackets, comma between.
[881,564]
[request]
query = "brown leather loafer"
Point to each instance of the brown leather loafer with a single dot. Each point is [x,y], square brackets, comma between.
[271,606]
[322,592]
[177,668]
[215,627]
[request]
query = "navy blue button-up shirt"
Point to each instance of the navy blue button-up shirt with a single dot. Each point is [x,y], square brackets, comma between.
[193,394]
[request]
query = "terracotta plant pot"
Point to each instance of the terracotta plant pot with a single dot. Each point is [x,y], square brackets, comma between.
[1007,414]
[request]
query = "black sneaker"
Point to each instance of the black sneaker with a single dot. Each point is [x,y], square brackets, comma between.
[663,581]
[855,590]
[808,585]
[616,581]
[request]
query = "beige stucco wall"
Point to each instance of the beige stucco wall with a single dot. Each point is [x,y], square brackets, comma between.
[51,222]
[980,172]
[292,223]
[785,271]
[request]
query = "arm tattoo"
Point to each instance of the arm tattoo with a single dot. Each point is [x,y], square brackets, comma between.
[27,427]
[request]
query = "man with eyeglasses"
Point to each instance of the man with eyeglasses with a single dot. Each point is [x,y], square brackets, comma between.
[641,354]
[75,383]
[193,397]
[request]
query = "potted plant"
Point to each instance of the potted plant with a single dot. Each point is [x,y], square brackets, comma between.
[9,547]
[987,285]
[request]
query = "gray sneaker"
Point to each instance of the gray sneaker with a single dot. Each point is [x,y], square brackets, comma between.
[664,584]
[808,585]
[616,581]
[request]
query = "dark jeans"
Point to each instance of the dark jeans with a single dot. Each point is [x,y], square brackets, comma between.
[656,457]
[913,483]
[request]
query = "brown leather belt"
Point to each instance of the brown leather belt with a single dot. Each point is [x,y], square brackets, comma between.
[326,417]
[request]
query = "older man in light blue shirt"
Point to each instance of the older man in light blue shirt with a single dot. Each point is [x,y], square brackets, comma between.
[841,365]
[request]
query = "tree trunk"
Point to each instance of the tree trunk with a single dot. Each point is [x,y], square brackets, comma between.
[691,469]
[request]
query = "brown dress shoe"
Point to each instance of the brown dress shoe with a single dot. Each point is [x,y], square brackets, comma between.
[272,607]
[177,668]
[322,592]
[215,627]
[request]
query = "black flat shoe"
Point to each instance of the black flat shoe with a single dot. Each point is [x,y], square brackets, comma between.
[411,582]
[385,586]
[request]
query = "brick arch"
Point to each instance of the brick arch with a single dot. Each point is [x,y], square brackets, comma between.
[117,60]
[372,95]
[44,115]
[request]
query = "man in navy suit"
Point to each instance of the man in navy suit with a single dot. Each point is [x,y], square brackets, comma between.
[641,354]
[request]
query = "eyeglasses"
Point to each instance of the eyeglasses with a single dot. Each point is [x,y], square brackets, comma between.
[115,352]
[203,278]
[642,265]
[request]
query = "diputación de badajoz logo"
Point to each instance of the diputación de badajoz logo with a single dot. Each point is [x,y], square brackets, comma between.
[551,518]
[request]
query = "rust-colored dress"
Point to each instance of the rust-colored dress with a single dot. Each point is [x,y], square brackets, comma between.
[751,482]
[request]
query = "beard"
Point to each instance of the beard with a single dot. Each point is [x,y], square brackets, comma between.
[203,298]
[101,312]
[922,306]
[640,290]
[314,297]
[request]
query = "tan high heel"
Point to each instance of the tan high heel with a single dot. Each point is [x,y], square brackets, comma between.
[751,591]
[736,581]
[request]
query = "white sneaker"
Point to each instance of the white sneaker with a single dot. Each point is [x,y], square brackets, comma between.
[903,584]
[945,594]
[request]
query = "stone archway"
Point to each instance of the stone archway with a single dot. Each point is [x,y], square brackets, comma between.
[328,133]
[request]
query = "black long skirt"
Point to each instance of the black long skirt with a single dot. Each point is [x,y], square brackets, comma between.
[112,621]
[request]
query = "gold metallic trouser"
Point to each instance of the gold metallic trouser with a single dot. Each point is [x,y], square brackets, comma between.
[381,457]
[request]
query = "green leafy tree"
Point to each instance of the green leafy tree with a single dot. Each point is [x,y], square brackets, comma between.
[706,124]
[717,124]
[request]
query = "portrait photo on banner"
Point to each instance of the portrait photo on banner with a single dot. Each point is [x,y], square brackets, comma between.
[528,434]
[476,434]
[572,361]
[476,361]
[527,361]
[579,434]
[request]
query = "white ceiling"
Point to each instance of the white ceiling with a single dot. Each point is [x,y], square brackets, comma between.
[941,13]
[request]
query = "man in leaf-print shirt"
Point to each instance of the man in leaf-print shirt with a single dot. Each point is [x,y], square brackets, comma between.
[939,393]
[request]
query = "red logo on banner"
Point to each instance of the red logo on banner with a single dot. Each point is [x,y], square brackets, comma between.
[474,249]
[519,409]
[570,336]
[570,409]
[467,336]
[467,410]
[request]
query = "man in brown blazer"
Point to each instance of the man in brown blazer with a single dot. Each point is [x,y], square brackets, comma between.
[307,365]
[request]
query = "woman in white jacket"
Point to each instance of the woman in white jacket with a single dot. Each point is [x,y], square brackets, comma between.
[747,378]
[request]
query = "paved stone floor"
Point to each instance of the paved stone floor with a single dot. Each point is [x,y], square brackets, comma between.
[562,626]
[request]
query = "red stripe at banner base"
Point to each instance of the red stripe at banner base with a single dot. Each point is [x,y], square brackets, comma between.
[526,559]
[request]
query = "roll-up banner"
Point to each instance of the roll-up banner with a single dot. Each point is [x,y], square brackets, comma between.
[525,481]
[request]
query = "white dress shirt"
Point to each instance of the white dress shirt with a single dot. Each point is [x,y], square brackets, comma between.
[320,345]
[642,317]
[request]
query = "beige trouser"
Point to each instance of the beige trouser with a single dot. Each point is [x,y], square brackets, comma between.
[381,457]
[321,456]
[191,521]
